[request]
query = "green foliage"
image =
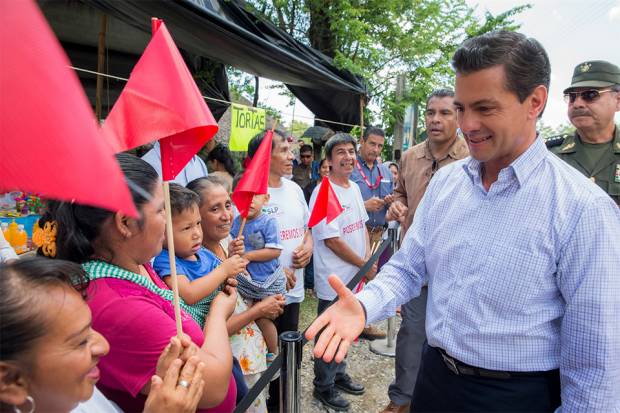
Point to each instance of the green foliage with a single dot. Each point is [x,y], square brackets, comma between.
[241,84]
[378,39]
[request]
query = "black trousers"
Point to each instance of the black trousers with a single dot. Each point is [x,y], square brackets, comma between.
[288,321]
[438,389]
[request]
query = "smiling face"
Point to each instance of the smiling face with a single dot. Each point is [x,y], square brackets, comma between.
[440,117]
[497,127]
[65,359]
[187,231]
[324,168]
[342,160]
[596,115]
[215,213]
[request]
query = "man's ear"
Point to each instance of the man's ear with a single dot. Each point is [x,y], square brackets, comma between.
[538,100]
[13,385]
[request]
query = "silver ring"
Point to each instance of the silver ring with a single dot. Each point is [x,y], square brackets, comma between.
[184,383]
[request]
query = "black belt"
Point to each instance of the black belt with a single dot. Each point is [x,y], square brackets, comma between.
[458,367]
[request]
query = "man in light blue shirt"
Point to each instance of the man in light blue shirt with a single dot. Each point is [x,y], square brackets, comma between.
[520,252]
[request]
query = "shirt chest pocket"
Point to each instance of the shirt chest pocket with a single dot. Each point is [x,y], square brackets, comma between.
[385,187]
[256,240]
[517,276]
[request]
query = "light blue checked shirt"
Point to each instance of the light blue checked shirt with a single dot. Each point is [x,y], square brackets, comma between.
[524,277]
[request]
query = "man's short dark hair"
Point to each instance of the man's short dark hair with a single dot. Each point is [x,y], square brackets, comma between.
[525,61]
[440,93]
[338,139]
[305,148]
[182,199]
[373,130]
[258,139]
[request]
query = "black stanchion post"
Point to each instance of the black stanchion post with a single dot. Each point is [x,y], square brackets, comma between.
[387,346]
[291,343]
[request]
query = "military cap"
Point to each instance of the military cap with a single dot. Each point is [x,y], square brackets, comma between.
[594,73]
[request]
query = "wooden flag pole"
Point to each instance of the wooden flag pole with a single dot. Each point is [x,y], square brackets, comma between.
[171,256]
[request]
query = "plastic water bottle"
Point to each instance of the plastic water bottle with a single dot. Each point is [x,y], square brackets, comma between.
[20,240]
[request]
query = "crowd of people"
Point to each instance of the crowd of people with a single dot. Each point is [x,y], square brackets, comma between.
[506,280]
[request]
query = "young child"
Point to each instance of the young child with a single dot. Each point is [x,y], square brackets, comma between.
[198,276]
[262,249]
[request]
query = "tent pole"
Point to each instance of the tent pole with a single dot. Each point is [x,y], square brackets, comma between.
[100,64]
[361,117]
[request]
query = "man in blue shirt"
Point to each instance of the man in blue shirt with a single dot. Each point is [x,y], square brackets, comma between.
[375,182]
[520,253]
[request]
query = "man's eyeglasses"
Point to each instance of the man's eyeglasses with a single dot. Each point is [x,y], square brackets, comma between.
[586,95]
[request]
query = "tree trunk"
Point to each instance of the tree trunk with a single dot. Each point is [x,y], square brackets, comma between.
[321,36]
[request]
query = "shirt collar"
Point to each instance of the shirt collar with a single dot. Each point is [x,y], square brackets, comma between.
[521,168]
[363,163]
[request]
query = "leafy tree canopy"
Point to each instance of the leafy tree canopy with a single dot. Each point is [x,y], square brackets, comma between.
[378,39]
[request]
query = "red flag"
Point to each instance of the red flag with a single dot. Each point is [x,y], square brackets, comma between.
[326,204]
[255,179]
[161,102]
[50,142]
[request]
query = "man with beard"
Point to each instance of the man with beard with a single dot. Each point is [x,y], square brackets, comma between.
[594,149]
[520,253]
[418,165]
[341,244]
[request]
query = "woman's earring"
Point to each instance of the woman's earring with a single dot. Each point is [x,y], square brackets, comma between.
[32,406]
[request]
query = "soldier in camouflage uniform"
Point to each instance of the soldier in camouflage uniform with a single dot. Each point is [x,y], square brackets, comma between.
[594,149]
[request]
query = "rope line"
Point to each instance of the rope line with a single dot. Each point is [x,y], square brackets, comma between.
[93,72]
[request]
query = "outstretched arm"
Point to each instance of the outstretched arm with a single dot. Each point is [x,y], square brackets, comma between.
[341,323]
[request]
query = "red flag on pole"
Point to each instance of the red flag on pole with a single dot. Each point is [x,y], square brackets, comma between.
[50,142]
[161,102]
[326,204]
[255,179]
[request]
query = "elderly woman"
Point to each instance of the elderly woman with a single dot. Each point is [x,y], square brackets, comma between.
[245,336]
[49,350]
[131,305]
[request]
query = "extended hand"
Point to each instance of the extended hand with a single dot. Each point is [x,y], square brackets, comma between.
[389,198]
[396,211]
[343,322]
[374,204]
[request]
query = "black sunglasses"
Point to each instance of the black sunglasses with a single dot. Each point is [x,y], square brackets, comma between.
[586,95]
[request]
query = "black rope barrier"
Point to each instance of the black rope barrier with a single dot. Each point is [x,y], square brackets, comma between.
[258,387]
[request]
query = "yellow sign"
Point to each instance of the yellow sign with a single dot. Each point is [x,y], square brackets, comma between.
[245,123]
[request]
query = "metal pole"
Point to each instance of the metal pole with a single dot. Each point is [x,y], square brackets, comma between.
[387,346]
[290,379]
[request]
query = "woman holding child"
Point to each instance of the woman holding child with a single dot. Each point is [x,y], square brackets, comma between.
[247,341]
[131,306]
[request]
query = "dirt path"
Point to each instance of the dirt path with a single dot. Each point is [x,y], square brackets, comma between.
[373,371]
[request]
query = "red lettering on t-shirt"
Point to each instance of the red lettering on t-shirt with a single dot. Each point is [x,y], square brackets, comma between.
[353,227]
[291,233]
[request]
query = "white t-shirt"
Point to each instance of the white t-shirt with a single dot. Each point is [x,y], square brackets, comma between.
[97,404]
[350,227]
[288,206]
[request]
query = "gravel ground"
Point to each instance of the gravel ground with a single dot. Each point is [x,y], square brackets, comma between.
[373,371]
